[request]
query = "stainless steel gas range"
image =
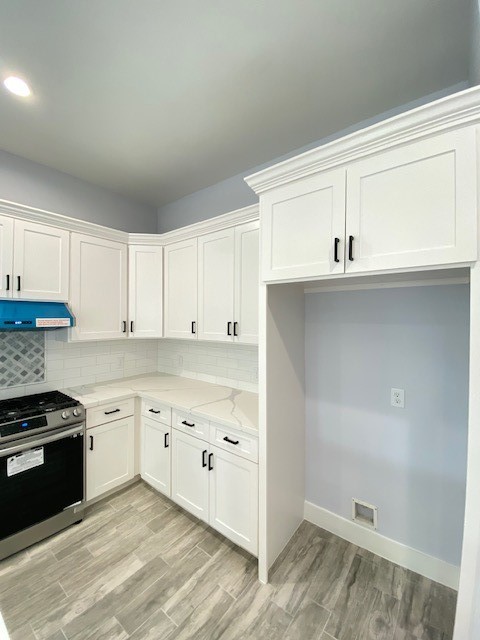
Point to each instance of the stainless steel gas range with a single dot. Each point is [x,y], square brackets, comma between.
[42,468]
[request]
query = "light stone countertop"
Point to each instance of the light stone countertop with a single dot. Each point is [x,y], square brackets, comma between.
[228,406]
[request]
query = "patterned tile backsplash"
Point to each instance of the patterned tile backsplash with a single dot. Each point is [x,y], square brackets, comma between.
[60,364]
[22,358]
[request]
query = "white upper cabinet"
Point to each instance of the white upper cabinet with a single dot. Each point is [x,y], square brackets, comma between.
[34,261]
[145,294]
[181,289]
[247,280]
[6,256]
[98,290]
[303,228]
[414,206]
[216,263]
[409,207]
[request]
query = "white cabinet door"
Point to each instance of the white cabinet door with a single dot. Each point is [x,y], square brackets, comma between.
[247,282]
[414,206]
[40,262]
[145,295]
[181,289]
[155,455]
[190,474]
[6,256]
[98,290]
[300,224]
[234,498]
[216,262]
[110,456]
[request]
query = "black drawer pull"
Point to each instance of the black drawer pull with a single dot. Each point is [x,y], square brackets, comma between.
[8,283]
[131,326]
[107,413]
[350,248]
[18,283]
[166,441]
[210,462]
[154,411]
[194,326]
[335,251]
[227,439]
[124,324]
[229,328]
[188,424]
[235,328]
[204,458]
[91,443]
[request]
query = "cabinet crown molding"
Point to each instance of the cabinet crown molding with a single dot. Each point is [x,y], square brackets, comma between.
[455,111]
[60,221]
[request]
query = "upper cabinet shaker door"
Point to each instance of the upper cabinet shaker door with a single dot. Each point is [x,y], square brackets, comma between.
[41,262]
[181,289]
[414,206]
[303,228]
[6,256]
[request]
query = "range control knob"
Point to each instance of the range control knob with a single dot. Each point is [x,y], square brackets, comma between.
[77,412]
[65,414]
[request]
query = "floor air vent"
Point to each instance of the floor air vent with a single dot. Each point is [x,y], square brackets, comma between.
[364,513]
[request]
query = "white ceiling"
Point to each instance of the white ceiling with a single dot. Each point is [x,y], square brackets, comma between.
[155,99]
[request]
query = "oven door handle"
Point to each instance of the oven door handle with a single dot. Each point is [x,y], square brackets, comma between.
[38,442]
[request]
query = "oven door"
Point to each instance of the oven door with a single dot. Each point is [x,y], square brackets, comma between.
[40,477]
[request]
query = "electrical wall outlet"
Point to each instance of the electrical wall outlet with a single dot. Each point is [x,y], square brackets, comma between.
[397,398]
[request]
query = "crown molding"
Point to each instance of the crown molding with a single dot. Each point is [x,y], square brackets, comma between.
[457,110]
[31,214]
[231,219]
[60,221]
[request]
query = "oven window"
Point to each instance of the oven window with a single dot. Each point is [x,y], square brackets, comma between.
[53,481]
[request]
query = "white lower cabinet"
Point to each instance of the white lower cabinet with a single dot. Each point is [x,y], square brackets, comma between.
[155,455]
[190,474]
[109,456]
[234,498]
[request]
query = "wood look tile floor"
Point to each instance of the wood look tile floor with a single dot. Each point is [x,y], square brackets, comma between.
[140,568]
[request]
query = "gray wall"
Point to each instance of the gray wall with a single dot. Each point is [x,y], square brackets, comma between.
[234,193]
[474,70]
[409,462]
[35,185]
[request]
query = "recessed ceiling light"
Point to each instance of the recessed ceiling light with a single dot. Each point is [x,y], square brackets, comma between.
[17,86]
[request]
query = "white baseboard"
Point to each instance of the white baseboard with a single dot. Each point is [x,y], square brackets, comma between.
[417,561]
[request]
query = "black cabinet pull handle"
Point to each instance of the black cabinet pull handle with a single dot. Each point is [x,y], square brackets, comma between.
[18,283]
[8,282]
[107,413]
[154,411]
[165,442]
[204,458]
[227,439]
[350,248]
[91,443]
[131,326]
[194,326]
[229,328]
[335,252]
[235,328]
[124,323]
[210,461]
[188,424]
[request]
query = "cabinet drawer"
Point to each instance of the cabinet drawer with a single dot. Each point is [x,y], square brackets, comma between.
[157,411]
[234,441]
[187,423]
[108,412]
